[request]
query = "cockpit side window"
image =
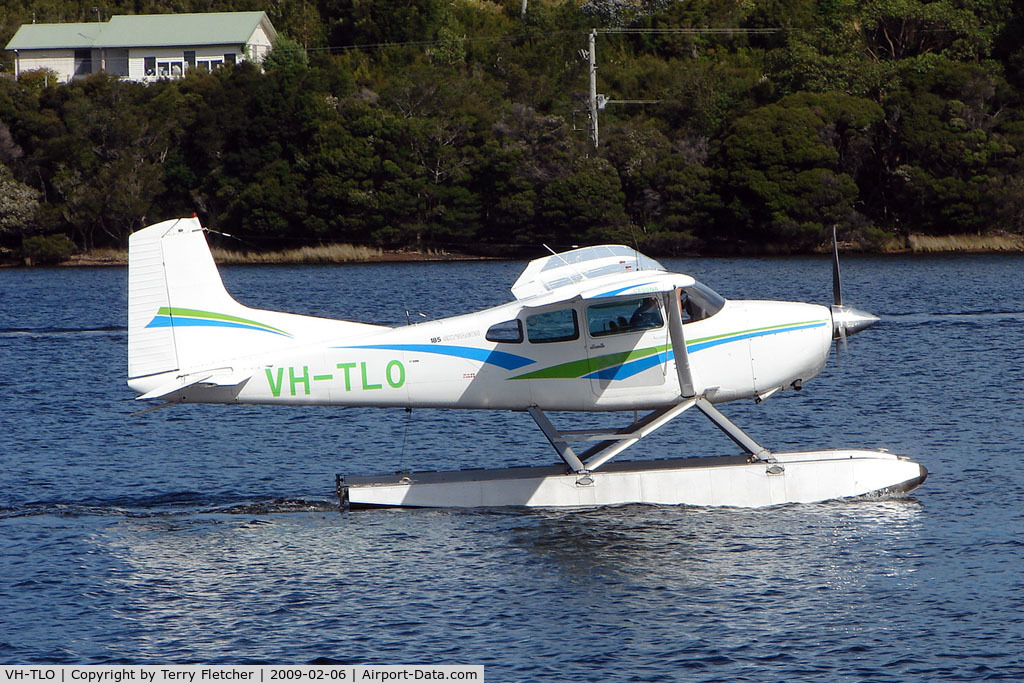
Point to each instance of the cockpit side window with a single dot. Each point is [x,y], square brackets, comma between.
[626,315]
[552,326]
[699,302]
[508,332]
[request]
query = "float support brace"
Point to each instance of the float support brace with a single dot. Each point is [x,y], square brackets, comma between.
[609,443]
[650,423]
[733,431]
[565,451]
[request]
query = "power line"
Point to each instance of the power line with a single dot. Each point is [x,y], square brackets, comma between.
[694,31]
[598,102]
[511,37]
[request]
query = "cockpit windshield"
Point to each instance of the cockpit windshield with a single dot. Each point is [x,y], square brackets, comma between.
[699,302]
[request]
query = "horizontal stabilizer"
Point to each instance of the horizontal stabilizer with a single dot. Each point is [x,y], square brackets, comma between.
[209,379]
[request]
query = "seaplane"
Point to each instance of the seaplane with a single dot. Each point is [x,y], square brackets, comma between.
[596,329]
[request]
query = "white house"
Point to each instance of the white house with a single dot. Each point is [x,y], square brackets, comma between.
[143,47]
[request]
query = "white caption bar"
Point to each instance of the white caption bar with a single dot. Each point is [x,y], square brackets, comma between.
[227,674]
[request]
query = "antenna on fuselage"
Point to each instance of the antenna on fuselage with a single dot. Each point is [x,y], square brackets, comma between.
[408,317]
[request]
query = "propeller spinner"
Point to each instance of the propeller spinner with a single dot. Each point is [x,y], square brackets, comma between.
[846,320]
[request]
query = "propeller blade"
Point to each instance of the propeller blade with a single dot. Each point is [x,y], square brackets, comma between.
[837,285]
[846,320]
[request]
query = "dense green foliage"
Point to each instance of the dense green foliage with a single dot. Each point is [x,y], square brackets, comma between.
[462,123]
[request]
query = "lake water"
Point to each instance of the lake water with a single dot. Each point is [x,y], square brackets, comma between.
[211,534]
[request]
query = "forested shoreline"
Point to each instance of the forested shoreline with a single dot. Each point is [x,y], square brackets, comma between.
[464,125]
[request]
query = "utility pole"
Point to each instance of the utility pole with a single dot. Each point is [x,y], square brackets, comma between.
[597,102]
[592,56]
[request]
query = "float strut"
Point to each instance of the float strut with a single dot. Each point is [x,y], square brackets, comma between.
[557,440]
[733,431]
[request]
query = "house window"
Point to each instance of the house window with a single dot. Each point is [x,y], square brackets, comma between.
[229,57]
[209,64]
[83,62]
[171,68]
[190,58]
[149,64]
[117,62]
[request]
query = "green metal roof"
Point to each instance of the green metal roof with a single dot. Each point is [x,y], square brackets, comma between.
[42,36]
[145,30]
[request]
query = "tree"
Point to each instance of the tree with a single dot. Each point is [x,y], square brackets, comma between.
[369,22]
[897,29]
[951,142]
[106,161]
[788,170]
[527,151]
[584,206]
[19,206]
[286,54]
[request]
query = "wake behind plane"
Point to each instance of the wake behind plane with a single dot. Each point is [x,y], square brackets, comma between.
[597,329]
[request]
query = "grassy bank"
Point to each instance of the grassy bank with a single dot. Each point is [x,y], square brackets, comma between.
[964,243]
[331,253]
[325,254]
[347,253]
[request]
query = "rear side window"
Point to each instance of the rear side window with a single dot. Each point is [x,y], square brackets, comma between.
[508,332]
[553,326]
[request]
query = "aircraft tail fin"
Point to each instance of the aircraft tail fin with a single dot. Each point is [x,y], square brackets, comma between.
[182,320]
[151,348]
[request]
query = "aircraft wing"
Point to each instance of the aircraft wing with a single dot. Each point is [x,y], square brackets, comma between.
[644,283]
[577,267]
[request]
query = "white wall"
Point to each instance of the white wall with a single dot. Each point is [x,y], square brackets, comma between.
[137,57]
[61,61]
[258,45]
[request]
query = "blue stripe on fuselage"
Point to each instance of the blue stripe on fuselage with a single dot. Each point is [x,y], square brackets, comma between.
[506,361]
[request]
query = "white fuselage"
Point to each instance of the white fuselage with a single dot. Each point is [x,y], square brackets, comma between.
[746,349]
[598,328]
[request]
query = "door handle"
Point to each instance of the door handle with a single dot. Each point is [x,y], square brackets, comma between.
[597,346]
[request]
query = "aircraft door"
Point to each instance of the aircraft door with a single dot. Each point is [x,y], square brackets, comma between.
[627,347]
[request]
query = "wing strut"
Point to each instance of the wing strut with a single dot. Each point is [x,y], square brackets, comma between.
[612,442]
[687,387]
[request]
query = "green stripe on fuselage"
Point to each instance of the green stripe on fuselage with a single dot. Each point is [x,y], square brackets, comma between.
[755,330]
[578,368]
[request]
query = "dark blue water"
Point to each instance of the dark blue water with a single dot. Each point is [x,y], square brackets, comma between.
[209,533]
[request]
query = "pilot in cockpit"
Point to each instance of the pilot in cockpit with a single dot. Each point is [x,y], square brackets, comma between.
[647,315]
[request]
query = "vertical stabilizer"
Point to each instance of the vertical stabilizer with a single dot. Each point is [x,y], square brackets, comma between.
[180,316]
[151,350]
[183,323]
